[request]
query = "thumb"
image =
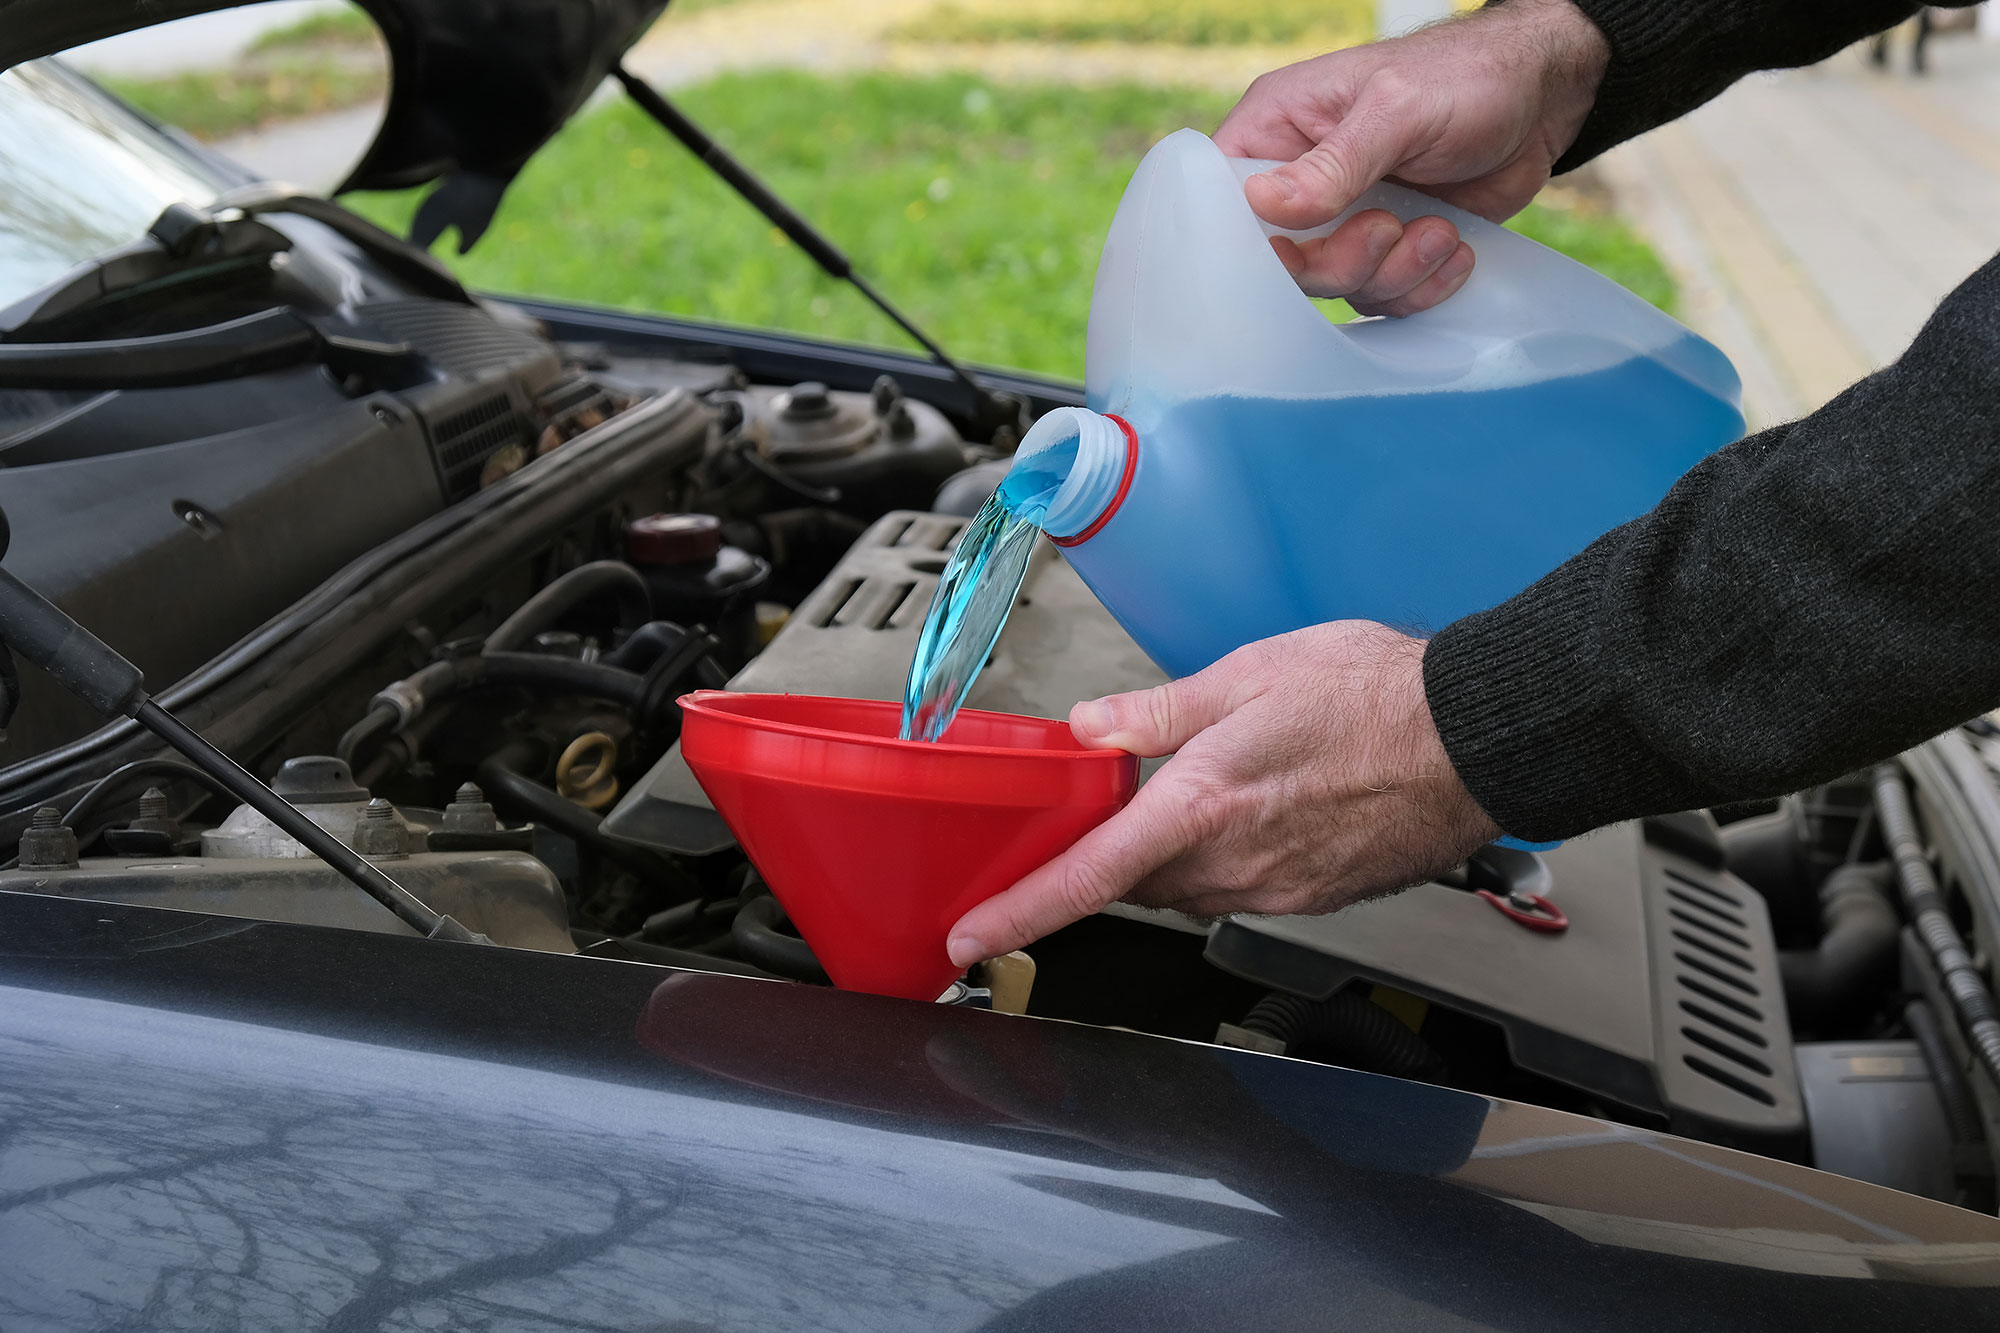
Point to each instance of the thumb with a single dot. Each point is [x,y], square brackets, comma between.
[1361,150]
[1156,721]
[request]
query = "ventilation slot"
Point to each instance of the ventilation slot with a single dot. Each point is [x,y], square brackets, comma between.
[893,534]
[463,441]
[1715,996]
[891,605]
[1716,1020]
[1706,890]
[843,593]
[1714,950]
[1729,1080]
[1688,900]
[1729,937]
[1715,973]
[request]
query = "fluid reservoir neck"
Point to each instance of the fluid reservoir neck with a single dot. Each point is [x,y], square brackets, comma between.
[1092,454]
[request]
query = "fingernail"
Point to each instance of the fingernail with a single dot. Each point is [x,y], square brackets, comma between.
[1093,717]
[1435,244]
[964,951]
[1279,183]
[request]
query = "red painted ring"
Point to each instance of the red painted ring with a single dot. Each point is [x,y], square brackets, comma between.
[1124,485]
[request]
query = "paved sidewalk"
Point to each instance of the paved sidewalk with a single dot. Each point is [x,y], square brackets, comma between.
[1816,217]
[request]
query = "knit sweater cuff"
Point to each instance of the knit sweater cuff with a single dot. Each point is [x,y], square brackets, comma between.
[1531,720]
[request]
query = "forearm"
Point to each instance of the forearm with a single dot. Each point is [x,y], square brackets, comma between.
[1805,601]
[1670,56]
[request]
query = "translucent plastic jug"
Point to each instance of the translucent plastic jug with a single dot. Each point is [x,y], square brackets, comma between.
[1246,467]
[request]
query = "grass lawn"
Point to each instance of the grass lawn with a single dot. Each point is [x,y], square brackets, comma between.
[979,208]
[1327,23]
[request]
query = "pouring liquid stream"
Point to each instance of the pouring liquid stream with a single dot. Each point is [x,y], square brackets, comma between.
[976,592]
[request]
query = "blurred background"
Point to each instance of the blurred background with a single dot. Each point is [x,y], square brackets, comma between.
[968,155]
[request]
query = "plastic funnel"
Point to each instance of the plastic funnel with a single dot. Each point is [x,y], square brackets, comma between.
[876,846]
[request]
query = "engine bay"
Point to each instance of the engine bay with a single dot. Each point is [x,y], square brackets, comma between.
[445,603]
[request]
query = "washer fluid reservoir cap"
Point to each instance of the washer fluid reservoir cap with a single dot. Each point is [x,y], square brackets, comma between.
[673,539]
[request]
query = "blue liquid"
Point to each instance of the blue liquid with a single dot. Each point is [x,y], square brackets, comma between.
[1252,517]
[976,593]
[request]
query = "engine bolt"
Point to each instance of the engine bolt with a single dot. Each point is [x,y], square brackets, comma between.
[152,804]
[47,844]
[469,812]
[378,833]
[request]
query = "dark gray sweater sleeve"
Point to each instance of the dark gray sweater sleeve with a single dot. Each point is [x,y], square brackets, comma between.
[1670,56]
[1807,600]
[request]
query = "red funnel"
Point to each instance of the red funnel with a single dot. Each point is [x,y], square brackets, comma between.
[876,846]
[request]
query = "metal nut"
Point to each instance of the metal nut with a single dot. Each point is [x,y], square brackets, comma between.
[379,833]
[48,844]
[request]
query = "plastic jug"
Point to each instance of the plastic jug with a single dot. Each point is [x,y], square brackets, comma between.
[1246,467]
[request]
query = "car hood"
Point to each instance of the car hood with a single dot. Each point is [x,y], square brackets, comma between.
[478,85]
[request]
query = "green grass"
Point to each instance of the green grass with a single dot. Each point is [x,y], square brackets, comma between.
[1327,23]
[980,209]
[213,104]
[343,27]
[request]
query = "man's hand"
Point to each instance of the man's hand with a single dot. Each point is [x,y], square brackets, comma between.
[1307,774]
[1475,111]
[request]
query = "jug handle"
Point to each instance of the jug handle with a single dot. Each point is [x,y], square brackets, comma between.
[1491,301]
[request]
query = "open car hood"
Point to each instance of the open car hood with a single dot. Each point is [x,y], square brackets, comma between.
[477,85]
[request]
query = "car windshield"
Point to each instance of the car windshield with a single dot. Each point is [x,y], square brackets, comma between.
[79,175]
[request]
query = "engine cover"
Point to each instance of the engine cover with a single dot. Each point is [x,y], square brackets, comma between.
[1662,995]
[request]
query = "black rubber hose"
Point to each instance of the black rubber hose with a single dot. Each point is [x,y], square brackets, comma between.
[591,944]
[1925,905]
[647,645]
[1856,956]
[517,794]
[1961,1112]
[381,720]
[1348,1029]
[758,939]
[599,578]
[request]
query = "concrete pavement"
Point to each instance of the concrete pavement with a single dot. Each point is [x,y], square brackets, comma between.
[1816,217]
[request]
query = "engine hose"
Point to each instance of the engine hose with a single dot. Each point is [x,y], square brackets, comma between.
[1348,1029]
[758,939]
[1961,1112]
[517,794]
[656,640]
[381,720]
[597,579]
[1925,905]
[592,944]
[1856,956]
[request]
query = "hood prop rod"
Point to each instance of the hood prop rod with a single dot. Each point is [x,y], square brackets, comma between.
[87,667]
[808,238]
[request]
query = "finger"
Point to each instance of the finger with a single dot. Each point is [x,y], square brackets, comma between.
[1093,874]
[1450,276]
[1312,190]
[1160,721]
[1343,260]
[1425,245]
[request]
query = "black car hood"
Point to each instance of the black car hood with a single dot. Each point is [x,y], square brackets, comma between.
[478,85]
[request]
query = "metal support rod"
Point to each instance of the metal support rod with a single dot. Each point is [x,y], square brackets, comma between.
[239,782]
[759,196]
